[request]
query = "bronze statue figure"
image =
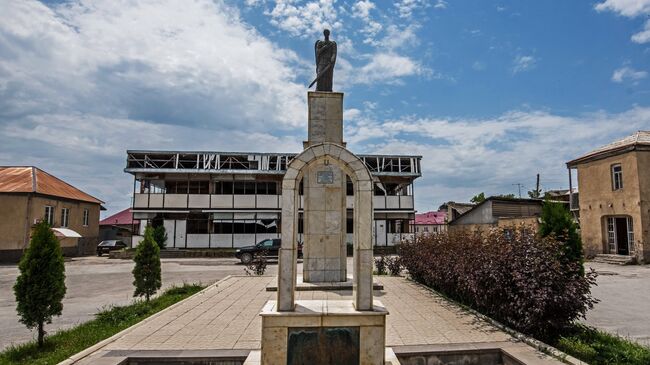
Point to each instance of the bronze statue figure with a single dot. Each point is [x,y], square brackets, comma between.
[325,59]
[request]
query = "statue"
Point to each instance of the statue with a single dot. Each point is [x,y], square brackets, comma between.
[325,59]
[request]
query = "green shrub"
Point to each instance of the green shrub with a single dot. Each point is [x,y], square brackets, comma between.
[557,221]
[517,278]
[381,264]
[40,287]
[160,236]
[146,273]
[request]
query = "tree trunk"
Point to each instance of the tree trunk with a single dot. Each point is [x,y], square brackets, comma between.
[41,334]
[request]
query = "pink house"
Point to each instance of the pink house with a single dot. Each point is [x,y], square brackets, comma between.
[429,222]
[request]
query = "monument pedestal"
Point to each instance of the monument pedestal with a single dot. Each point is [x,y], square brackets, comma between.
[323,332]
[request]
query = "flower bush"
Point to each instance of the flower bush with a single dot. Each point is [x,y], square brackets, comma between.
[514,276]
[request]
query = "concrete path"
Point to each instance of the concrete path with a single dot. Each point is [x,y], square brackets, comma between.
[624,308]
[94,283]
[225,317]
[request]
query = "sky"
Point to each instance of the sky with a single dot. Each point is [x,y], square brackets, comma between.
[489,93]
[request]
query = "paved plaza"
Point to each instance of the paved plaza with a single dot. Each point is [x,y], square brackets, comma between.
[226,317]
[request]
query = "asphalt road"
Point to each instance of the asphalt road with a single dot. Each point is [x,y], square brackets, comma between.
[94,283]
[624,309]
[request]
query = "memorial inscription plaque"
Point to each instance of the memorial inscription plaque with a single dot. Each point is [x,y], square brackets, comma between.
[325,177]
[323,345]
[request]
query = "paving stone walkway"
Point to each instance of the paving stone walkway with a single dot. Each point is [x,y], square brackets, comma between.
[226,317]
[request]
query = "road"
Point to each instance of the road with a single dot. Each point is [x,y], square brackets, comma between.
[624,292]
[94,283]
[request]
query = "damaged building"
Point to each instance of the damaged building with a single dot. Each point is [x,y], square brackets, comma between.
[233,199]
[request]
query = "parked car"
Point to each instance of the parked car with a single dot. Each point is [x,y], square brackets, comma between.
[271,247]
[109,245]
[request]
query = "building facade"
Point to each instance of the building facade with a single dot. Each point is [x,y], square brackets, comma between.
[233,199]
[29,195]
[119,226]
[613,198]
[500,212]
[429,223]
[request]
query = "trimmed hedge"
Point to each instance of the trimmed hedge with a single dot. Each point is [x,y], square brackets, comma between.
[515,277]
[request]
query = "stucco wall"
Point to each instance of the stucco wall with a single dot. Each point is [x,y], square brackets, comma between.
[12,221]
[598,200]
[643,163]
[15,229]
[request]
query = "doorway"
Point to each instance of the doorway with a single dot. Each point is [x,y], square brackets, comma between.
[620,235]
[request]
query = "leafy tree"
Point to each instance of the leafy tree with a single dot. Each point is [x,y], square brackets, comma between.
[557,221]
[479,198]
[146,273]
[160,236]
[40,287]
[535,193]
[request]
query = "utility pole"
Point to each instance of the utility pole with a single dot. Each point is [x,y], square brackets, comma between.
[537,192]
[519,185]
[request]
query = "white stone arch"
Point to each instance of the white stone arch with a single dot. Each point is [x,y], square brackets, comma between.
[354,167]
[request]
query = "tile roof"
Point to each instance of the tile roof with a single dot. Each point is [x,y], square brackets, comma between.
[430,218]
[124,217]
[29,179]
[640,138]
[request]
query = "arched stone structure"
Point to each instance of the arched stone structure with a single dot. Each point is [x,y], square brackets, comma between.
[351,165]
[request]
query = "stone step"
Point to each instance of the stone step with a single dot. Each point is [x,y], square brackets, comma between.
[614,259]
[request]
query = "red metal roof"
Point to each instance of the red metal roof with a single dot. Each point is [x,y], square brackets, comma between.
[21,179]
[430,218]
[122,218]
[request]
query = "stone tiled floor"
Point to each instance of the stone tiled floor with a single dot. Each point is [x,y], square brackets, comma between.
[226,316]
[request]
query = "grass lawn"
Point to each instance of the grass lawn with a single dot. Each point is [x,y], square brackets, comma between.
[600,348]
[63,344]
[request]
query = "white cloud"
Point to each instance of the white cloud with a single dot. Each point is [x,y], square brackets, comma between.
[305,20]
[628,8]
[405,8]
[628,73]
[523,63]
[145,61]
[387,67]
[644,35]
[440,4]
[495,152]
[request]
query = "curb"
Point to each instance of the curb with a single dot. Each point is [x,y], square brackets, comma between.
[92,349]
[538,345]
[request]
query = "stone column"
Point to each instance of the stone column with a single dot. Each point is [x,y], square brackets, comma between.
[324,189]
[288,255]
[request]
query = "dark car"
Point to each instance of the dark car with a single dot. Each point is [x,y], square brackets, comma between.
[109,245]
[269,247]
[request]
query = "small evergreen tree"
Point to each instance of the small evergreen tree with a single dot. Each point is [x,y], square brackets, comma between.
[146,273]
[557,221]
[40,287]
[160,236]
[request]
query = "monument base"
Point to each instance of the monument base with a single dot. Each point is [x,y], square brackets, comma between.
[301,285]
[323,332]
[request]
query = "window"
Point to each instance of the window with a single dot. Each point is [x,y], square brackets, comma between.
[617,177]
[65,215]
[85,218]
[223,187]
[426,229]
[49,215]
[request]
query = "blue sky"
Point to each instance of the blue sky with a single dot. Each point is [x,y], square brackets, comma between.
[490,93]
